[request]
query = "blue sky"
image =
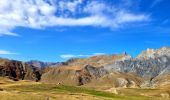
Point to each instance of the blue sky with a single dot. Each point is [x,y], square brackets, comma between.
[56,30]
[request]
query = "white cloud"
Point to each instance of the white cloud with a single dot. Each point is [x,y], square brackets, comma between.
[68,56]
[124,17]
[98,53]
[4,52]
[71,6]
[41,14]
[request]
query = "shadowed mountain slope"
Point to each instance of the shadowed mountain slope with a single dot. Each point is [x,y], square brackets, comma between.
[18,70]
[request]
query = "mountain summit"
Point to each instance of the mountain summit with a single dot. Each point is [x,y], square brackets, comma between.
[154,53]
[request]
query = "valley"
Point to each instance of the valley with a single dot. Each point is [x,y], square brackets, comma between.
[103,77]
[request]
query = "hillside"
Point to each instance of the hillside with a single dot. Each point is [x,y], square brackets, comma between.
[18,70]
[114,70]
[79,71]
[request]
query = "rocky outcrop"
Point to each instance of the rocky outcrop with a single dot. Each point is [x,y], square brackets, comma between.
[17,70]
[149,65]
[89,73]
[154,53]
[145,68]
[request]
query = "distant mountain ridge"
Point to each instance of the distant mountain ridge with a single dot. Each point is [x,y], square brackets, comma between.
[41,64]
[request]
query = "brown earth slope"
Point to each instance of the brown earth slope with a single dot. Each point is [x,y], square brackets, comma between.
[80,71]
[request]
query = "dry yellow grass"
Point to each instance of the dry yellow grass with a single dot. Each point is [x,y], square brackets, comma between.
[44,96]
[14,90]
[29,90]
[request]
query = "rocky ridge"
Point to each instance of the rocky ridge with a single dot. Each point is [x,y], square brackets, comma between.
[154,53]
[116,71]
[41,64]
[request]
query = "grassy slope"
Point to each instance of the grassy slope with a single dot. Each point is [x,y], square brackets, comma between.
[27,90]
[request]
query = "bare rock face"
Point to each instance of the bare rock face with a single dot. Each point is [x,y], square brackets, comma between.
[89,73]
[17,70]
[154,53]
[148,69]
[122,82]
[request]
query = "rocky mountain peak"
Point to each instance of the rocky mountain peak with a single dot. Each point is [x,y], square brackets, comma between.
[154,53]
[164,51]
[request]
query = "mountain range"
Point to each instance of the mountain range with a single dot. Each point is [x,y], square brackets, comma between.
[150,69]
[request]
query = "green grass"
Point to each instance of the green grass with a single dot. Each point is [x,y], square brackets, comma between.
[61,88]
[75,90]
[27,90]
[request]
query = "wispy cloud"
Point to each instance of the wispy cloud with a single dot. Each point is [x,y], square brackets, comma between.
[68,56]
[155,2]
[5,52]
[47,13]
